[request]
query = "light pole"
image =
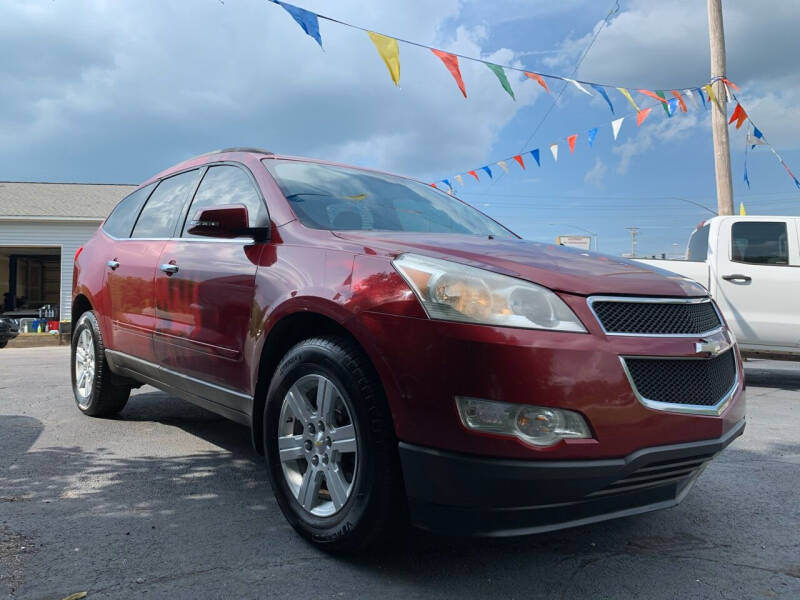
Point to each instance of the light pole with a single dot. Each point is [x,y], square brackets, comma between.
[634,234]
[594,234]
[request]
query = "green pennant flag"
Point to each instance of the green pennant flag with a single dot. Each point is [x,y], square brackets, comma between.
[660,94]
[501,75]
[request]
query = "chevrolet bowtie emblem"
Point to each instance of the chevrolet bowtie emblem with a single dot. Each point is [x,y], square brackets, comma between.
[712,348]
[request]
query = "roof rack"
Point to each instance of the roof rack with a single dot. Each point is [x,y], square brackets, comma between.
[240,149]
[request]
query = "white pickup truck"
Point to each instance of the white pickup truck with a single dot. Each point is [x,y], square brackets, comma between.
[751,266]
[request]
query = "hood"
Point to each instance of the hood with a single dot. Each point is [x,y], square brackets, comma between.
[556,267]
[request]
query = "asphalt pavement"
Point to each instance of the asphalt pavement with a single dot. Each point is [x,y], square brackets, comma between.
[170,501]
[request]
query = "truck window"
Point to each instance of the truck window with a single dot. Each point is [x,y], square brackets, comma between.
[759,243]
[698,244]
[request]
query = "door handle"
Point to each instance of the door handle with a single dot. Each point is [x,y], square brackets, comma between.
[737,277]
[169,269]
[112,264]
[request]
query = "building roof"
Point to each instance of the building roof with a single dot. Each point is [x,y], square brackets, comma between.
[60,201]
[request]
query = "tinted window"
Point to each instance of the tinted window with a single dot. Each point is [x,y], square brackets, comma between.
[223,185]
[339,198]
[161,212]
[698,244]
[122,218]
[760,243]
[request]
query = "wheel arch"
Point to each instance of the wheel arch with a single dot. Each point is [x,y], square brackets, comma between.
[80,305]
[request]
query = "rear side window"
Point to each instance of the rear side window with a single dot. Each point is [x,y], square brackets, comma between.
[160,214]
[760,243]
[698,244]
[122,218]
[226,184]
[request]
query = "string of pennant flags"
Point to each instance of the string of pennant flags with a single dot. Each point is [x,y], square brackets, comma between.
[672,101]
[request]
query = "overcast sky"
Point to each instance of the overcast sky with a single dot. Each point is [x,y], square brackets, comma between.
[115,91]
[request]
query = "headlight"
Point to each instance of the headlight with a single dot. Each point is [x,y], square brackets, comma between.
[537,425]
[454,292]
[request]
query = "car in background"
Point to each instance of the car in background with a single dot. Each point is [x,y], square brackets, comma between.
[751,267]
[397,354]
[9,329]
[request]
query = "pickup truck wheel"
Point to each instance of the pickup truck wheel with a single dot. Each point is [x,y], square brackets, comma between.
[3,343]
[330,446]
[95,394]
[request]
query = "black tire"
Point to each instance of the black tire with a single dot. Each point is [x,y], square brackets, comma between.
[376,500]
[3,343]
[104,398]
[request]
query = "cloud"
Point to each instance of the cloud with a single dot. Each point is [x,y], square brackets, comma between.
[679,128]
[596,175]
[104,91]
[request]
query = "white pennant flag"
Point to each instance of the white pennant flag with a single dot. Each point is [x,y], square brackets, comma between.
[554,150]
[579,86]
[752,140]
[615,125]
[502,165]
[459,179]
[727,92]
[690,95]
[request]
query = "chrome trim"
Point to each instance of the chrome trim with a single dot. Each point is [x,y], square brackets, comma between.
[656,300]
[693,409]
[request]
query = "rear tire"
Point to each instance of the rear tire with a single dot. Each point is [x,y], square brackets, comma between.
[95,393]
[3,343]
[334,471]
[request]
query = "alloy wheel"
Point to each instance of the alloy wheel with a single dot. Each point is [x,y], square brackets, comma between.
[84,367]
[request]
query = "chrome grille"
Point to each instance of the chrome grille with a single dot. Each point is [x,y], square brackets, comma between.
[696,382]
[655,316]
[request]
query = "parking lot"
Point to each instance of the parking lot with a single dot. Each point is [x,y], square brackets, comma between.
[170,501]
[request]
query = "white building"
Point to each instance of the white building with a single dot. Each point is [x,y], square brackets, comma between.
[42,225]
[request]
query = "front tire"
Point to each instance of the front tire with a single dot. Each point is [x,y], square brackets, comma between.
[330,446]
[95,393]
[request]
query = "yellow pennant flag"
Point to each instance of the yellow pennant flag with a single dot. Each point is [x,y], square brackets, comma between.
[390,53]
[710,92]
[627,95]
[742,212]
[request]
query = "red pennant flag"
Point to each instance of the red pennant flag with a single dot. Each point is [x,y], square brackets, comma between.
[642,115]
[653,95]
[433,185]
[451,62]
[681,103]
[474,174]
[730,83]
[571,141]
[738,115]
[518,158]
[538,78]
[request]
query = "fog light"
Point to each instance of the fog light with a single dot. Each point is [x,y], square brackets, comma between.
[537,425]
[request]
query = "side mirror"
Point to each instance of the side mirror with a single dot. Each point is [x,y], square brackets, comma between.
[228,222]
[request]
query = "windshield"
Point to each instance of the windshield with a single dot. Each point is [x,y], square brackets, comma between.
[698,244]
[344,199]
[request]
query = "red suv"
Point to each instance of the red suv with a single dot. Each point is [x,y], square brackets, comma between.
[397,353]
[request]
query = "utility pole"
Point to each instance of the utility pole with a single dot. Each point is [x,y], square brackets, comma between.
[634,234]
[719,110]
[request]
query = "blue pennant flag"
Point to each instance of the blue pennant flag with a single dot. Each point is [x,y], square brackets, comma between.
[746,178]
[535,155]
[591,135]
[306,19]
[488,171]
[447,183]
[702,96]
[672,106]
[757,132]
[601,90]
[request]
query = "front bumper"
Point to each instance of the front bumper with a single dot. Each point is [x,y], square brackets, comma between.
[460,494]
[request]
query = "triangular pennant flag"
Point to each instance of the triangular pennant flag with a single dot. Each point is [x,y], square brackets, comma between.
[521,162]
[488,171]
[654,95]
[662,96]
[615,125]
[535,155]
[474,174]
[554,151]
[738,115]
[501,76]
[502,164]
[306,19]
[758,134]
[390,53]
[756,138]
[746,180]
[679,98]
[591,135]
[628,96]
[433,185]
[710,93]
[459,179]
[451,62]
[690,95]
[742,211]
[578,85]
[702,97]
[539,79]
[601,90]
[447,183]
[728,82]
[571,142]
[672,106]
[642,115]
